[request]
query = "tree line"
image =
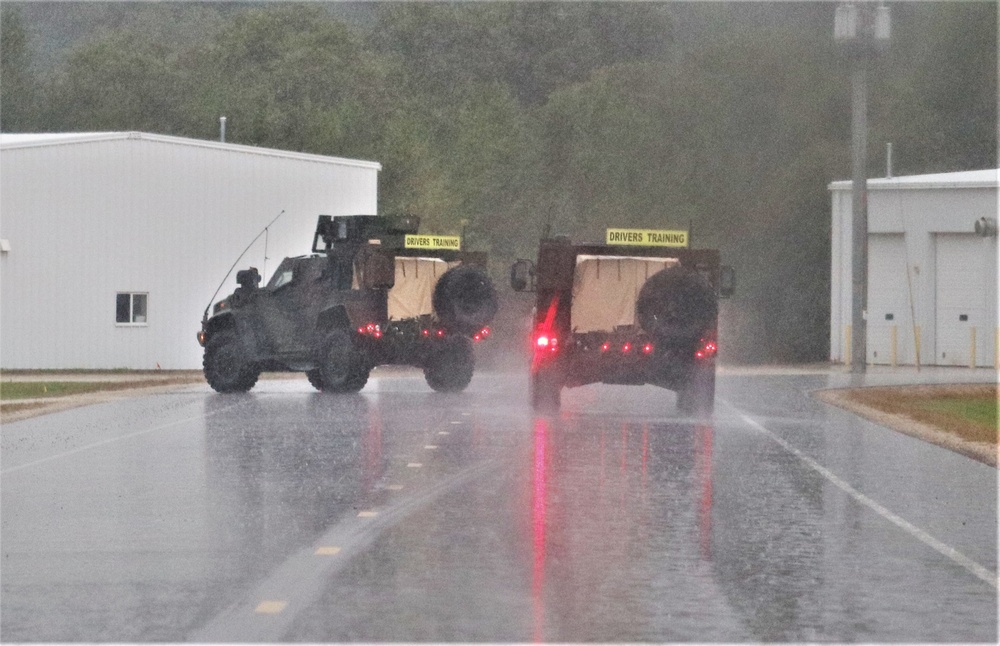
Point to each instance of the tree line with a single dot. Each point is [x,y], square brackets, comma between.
[506,120]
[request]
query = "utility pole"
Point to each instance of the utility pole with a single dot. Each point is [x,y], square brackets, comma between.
[862,31]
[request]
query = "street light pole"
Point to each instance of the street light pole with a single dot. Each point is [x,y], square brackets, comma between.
[859,219]
[862,35]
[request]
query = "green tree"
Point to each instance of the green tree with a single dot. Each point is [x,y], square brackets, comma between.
[934,95]
[292,78]
[120,82]
[18,87]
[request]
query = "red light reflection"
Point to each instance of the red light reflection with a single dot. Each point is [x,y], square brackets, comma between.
[538,509]
[703,456]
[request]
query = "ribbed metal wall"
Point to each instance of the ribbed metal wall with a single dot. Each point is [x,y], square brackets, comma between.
[157,215]
[920,210]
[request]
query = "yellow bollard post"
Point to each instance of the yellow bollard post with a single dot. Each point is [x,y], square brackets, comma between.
[972,346]
[846,354]
[892,346]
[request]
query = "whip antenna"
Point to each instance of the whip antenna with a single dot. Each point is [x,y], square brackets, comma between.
[204,316]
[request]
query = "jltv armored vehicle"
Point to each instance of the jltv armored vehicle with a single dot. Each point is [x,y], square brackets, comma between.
[640,309]
[373,292]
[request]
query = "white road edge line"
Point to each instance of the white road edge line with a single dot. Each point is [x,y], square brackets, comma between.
[110,440]
[976,569]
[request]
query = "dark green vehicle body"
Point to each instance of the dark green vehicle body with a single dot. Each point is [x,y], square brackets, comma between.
[671,341]
[326,314]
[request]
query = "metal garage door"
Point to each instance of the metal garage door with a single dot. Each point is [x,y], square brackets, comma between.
[961,300]
[888,300]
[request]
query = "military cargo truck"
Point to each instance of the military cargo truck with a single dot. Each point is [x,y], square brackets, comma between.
[642,308]
[372,292]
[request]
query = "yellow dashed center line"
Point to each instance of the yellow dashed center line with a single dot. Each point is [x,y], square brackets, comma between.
[367,514]
[327,550]
[270,607]
[394,487]
[431,446]
[414,465]
[442,432]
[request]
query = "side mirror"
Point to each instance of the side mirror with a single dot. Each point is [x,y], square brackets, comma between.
[378,271]
[522,276]
[727,281]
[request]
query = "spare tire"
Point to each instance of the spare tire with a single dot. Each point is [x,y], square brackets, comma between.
[464,299]
[676,304]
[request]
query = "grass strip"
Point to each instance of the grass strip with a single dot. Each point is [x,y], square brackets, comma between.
[16,390]
[968,411]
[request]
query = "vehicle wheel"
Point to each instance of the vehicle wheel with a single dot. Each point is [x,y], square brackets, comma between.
[546,390]
[697,397]
[315,379]
[226,367]
[355,381]
[341,366]
[449,368]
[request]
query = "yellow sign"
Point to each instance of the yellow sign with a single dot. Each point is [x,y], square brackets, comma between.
[647,238]
[433,242]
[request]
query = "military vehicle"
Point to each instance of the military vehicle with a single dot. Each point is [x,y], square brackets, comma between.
[372,292]
[642,308]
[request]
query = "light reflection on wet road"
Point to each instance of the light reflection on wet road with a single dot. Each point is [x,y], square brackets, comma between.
[402,514]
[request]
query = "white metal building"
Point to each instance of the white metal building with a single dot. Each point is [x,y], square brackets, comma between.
[112,244]
[932,281]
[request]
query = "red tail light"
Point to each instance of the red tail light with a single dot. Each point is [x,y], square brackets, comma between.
[371,329]
[707,350]
[648,348]
[626,348]
[605,346]
[546,342]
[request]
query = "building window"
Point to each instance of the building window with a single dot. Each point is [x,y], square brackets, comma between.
[130,309]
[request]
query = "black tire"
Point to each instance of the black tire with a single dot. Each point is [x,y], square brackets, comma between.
[676,305]
[450,365]
[697,396]
[464,299]
[341,367]
[226,367]
[315,379]
[546,390]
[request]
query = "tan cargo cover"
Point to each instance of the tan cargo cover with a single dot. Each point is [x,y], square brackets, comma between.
[605,289]
[415,280]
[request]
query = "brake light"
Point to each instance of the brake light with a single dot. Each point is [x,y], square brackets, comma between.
[707,350]
[485,332]
[648,348]
[371,329]
[546,342]
[626,347]
[605,346]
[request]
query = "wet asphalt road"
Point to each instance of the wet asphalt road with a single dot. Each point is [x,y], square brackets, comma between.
[402,514]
